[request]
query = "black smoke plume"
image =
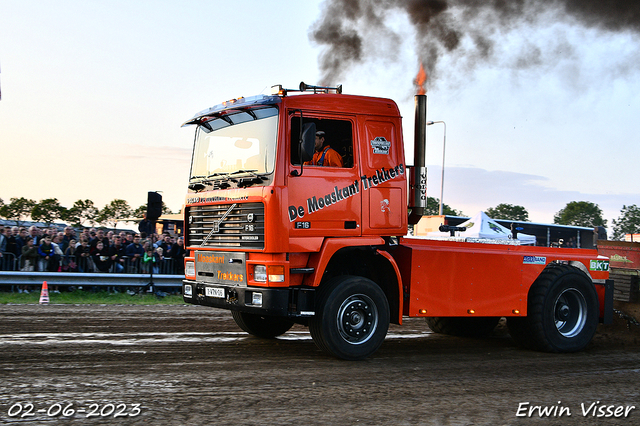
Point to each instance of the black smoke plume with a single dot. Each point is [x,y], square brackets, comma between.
[468,32]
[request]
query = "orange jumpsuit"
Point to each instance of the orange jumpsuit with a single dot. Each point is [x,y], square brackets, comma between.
[327,157]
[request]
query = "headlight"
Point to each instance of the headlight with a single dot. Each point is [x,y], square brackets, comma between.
[275,273]
[190,268]
[188,291]
[260,273]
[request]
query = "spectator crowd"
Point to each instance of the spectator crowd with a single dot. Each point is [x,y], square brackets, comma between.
[93,250]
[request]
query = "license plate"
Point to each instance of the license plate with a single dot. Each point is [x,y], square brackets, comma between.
[214,292]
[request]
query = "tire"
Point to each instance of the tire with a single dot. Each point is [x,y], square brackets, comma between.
[563,312]
[352,318]
[263,326]
[463,326]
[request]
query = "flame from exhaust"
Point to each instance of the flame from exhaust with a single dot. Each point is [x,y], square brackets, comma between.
[421,80]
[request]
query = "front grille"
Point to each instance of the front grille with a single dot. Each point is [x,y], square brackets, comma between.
[242,226]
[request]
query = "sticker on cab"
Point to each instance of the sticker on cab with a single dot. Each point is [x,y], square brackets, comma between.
[534,260]
[599,265]
[380,145]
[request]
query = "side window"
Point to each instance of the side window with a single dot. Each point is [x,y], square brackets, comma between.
[338,135]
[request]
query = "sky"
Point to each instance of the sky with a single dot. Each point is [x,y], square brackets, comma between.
[94,94]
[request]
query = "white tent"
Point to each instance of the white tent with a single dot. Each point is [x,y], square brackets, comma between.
[482,226]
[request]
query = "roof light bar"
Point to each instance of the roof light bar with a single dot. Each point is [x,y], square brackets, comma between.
[278,90]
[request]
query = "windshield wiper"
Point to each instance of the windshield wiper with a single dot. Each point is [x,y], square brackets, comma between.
[237,172]
[252,179]
[203,180]
[198,186]
[222,182]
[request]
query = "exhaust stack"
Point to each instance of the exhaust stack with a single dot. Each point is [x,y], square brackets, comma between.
[418,177]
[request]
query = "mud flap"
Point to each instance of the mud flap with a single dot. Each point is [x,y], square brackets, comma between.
[607,305]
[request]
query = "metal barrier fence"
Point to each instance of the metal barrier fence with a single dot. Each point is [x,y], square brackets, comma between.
[82,264]
[8,261]
[16,278]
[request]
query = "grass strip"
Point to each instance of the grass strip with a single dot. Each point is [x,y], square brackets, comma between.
[84,297]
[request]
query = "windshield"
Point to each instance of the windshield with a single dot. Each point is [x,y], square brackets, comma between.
[236,142]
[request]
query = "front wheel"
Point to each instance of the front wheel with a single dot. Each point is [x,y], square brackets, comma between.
[264,326]
[562,312]
[352,318]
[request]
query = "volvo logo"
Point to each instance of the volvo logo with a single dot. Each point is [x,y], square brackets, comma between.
[250,217]
[216,225]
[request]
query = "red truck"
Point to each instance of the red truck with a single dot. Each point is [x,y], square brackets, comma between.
[278,241]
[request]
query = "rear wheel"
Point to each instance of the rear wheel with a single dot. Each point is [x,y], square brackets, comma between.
[264,326]
[352,317]
[562,312]
[463,326]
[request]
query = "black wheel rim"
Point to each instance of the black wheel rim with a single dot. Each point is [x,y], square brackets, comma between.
[570,312]
[357,319]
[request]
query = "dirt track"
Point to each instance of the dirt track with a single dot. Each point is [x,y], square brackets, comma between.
[191,365]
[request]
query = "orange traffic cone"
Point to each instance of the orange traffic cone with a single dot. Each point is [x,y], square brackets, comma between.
[44,294]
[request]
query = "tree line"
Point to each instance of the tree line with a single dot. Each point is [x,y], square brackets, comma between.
[575,213]
[82,213]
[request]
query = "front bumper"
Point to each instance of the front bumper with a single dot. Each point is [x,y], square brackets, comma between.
[289,302]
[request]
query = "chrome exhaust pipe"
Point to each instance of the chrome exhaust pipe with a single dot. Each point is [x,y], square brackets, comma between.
[418,175]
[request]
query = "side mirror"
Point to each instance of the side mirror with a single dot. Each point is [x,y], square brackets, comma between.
[307,142]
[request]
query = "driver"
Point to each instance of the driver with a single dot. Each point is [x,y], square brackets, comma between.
[324,155]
